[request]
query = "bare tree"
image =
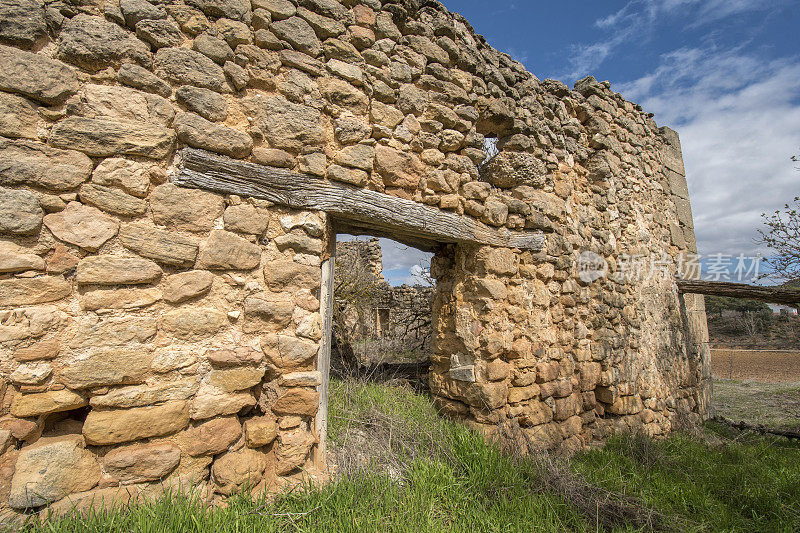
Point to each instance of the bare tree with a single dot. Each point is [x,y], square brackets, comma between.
[782,234]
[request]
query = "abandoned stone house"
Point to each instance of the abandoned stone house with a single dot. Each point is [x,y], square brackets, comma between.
[377,323]
[172,178]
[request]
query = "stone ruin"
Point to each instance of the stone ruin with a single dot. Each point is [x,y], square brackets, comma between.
[378,329]
[172,177]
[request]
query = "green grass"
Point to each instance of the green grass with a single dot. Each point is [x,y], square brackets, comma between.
[447,478]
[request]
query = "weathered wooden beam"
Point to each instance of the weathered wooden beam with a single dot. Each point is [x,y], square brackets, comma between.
[387,214]
[775,295]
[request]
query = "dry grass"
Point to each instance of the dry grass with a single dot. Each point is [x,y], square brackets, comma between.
[774,405]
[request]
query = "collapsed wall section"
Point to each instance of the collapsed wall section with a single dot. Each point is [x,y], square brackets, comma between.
[155,336]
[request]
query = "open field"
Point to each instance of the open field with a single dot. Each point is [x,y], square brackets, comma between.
[768,366]
[771,404]
[402,468]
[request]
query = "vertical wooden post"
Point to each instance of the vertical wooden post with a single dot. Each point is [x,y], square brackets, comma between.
[324,354]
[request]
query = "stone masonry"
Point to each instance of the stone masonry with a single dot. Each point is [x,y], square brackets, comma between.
[154,336]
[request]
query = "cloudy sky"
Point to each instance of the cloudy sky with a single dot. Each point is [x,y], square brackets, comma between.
[724,73]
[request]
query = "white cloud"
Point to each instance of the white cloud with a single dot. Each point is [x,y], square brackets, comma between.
[637,20]
[739,121]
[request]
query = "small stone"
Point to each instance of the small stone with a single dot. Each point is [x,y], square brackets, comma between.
[212,437]
[125,425]
[297,401]
[27,291]
[127,298]
[398,169]
[196,131]
[299,33]
[208,104]
[273,157]
[94,43]
[22,430]
[348,72]
[193,323]
[130,176]
[20,212]
[140,78]
[46,349]
[102,367]
[114,270]
[227,251]
[210,401]
[185,209]
[18,117]
[292,450]
[170,360]
[180,287]
[214,48]
[260,431]
[285,274]
[286,125]
[232,9]
[358,156]
[14,258]
[112,200]
[36,76]
[36,164]
[234,357]
[238,470]
[237,75]
[324,27]
[98,137]
[138,463]
[236,378]
[188,67]
[289,353]
[134,11]
[158,244]
[22,23]
[31,373]
[301,379]
[300,243]
[113,331]
[279,9]
[82,226]
[191,20]
[308,222]
[50,469]
[234,32]
[159,33]
[45,403]
[246,218]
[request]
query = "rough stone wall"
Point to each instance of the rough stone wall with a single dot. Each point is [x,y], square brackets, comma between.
[152,333]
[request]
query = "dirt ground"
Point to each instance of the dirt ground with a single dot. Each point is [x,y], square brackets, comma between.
[769,366]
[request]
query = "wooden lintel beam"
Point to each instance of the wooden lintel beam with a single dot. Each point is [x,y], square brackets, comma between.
[775,295]
[388,214]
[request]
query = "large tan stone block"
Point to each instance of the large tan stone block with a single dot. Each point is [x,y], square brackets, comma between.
[187,285]
[260,431]
[113,331]
[212,437]
[125,425]
[126,298]
[116,270]
[158,244]
[284,274]
[51,469]
[32,163]
[193,323]
[45,403]
[235,378]
[26,291]
[238,470]
[297,401]
[131,176]
[211,401]
[20,212]
[227,251]
[36,75]
[82,225]
[151,394]
[185,209]
[101,367]
[139,463]
[292,449]
[104,138]
[289,353]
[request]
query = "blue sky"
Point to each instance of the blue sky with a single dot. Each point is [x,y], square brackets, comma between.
[724,73]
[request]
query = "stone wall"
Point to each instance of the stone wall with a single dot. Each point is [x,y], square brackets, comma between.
[155,336]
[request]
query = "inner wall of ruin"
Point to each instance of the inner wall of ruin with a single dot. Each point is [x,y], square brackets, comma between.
[155,336]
